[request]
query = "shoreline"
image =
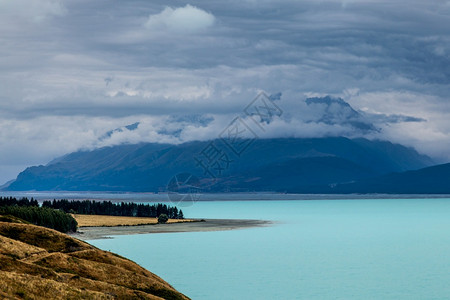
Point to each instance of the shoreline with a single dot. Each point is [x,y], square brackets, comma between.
[155,197]
[103,232]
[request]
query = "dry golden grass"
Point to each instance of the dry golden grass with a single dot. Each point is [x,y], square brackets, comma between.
[40,263]
[17,249]
[107,221]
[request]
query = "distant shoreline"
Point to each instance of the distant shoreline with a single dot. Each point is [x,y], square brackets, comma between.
[151,197]
[94,233]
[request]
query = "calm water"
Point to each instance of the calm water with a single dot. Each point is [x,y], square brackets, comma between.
[327,249]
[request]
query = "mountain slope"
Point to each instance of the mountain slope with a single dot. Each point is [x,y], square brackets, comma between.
[431,180]
[299,174]
[149,167]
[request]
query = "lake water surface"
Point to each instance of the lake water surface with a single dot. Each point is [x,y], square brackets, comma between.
[324,249]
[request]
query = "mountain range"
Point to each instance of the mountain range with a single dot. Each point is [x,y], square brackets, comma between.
[292,165]
[300,165]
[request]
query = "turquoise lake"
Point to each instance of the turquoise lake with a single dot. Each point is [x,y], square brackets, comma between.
[323,249]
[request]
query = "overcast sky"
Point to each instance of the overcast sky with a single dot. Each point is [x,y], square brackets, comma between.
[70,71]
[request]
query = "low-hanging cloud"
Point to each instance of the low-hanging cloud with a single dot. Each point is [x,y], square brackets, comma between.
[188,19]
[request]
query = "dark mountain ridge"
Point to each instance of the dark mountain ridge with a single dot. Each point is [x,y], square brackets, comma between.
[282,164]
[431,180]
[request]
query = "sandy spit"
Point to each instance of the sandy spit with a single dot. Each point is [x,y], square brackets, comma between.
[92,233]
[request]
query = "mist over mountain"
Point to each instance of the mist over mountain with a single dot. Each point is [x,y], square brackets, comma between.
[311,117]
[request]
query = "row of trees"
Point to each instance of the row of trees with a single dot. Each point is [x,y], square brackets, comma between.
[90,207]
[56,214]
[42,216]
[9,201]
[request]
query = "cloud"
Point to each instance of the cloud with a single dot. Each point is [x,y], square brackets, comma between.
[188,19]
[34,11]
[389,119]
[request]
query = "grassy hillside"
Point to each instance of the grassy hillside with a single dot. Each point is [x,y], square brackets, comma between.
[41,263]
